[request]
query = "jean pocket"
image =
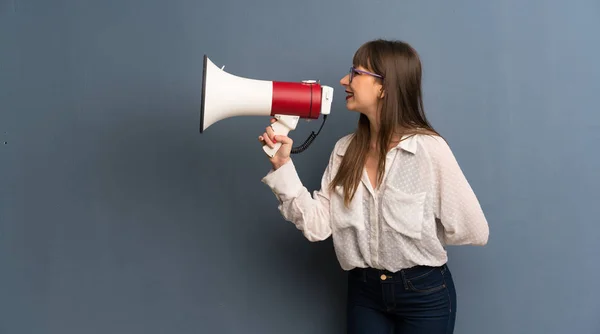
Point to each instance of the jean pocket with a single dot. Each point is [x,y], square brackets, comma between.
[431,280]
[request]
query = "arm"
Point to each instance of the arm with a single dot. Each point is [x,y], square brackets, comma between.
[310,214]
[456,205]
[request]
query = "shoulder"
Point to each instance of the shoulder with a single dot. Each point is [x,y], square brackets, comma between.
[342,144]
[431,142]
[437,152]
[434,147]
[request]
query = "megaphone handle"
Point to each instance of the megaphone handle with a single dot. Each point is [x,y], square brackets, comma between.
[282,126]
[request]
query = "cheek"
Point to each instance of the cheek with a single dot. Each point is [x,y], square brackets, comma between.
[367,97]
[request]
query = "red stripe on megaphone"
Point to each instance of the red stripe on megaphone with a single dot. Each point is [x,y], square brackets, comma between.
[296,99]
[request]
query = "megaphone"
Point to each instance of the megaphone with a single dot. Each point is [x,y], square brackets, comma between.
[225,95]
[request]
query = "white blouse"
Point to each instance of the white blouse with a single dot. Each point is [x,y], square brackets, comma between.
[423,204]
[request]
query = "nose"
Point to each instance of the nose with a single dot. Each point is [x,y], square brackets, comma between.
[345,81]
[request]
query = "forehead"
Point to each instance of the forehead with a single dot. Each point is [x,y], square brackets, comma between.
[360,67]
[364,66]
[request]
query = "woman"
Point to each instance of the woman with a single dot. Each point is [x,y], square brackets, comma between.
[391,197]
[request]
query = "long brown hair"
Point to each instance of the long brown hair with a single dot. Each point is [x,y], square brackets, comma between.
[402,111]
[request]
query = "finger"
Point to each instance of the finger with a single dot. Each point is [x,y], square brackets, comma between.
[262,137]
[267,140]
[271,133]
[283,139]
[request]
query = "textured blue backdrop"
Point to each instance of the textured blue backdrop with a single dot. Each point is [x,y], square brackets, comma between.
[117,216]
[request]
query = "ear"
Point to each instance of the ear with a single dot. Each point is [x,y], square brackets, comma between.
[381,93]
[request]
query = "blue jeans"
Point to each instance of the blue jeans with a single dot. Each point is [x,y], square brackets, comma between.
[412,301]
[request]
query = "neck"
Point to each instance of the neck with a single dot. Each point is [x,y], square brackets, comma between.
[374,134]
[373,142]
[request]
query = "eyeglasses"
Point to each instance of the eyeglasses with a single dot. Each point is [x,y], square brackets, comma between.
[354,70]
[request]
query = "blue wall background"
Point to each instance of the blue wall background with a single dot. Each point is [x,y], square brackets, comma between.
[117,216]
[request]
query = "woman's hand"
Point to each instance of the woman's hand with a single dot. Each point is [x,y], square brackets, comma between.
[282,156]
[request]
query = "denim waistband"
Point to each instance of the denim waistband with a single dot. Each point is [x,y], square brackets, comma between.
[399,276]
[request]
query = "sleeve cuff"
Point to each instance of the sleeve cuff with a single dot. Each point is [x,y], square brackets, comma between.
[284,181]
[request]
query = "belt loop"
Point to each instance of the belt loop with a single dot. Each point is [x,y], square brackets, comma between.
[403,274]
[364,275]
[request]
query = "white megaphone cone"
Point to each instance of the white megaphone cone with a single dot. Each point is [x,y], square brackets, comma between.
[225,95]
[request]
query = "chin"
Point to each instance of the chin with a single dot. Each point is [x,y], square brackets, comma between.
[352,107]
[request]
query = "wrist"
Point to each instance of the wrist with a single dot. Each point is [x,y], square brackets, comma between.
[278,164]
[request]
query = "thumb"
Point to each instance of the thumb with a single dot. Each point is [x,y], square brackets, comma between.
[283,139]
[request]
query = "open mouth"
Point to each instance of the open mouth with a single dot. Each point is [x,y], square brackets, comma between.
[350,94]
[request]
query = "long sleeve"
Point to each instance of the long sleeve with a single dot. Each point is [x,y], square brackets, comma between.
[455,204]
[310,214]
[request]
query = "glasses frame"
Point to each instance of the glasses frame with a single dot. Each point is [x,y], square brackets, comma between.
[356,70]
